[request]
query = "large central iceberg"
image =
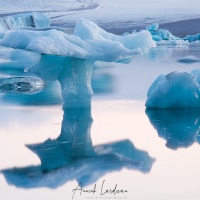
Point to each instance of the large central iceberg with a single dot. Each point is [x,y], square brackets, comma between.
[88,42]
[69,58]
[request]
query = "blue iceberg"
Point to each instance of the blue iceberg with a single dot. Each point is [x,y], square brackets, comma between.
[175,90]
[164,37]
[32,20]
[88,42]
[22,85]
[160,34]
[70,58]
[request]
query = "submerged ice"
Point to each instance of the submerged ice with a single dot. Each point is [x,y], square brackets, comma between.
[175,90]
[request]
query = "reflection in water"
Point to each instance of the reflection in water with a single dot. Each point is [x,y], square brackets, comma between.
[179,127]
[103,79]
[72,156]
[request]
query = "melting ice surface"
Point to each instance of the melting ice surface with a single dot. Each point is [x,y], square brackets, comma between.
[72,156]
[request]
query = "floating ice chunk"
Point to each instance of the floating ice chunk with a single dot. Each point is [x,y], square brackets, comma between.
[88,42]
[189,59]
[21,85]
[25,20]
[160,34]
[192,38]
[175,90]
[164,37]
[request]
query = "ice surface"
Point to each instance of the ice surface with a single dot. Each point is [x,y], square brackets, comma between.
[73,157]
[175,90]
[88,42]
[179,127]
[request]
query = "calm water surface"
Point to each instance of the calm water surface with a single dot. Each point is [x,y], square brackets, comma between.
[47,151]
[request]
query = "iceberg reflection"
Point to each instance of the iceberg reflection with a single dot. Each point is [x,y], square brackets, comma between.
[179,127]
[73,157]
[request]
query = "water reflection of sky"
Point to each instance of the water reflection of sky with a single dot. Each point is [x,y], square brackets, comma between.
[119,143]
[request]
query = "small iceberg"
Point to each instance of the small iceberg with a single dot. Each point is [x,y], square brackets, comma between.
[32,20]
[164,37]
[175,90]
[22,85]
[190,59]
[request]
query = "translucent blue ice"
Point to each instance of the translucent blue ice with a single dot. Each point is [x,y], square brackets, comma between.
[175,90]
[164,37]
[160,34]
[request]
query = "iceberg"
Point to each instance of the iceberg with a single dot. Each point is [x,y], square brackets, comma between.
[25,20]
[22,85]
[164,37]
[70,58]
[175,90]
[160,34]
[88,42]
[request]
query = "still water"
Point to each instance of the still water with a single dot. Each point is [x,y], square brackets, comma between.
[48,152]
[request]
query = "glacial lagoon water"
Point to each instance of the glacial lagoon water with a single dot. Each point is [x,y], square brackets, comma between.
[47,151]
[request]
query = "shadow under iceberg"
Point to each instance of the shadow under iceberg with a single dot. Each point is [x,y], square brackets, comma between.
[73,157]
[179,127]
